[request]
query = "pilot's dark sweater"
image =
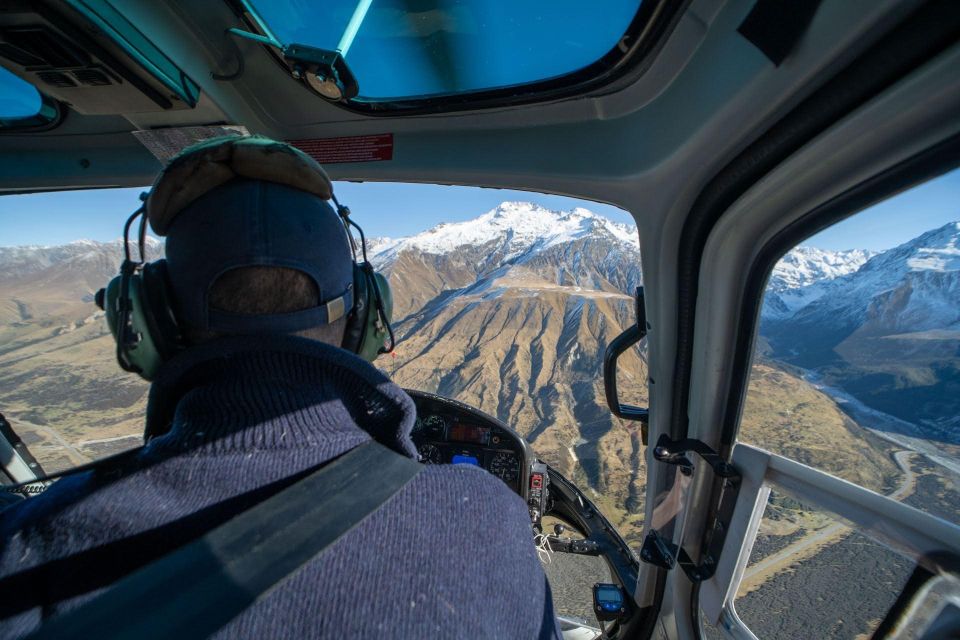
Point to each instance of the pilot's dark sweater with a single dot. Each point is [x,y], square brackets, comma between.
[449,556]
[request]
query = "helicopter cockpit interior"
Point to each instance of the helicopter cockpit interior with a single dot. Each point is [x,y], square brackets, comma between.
[730,131]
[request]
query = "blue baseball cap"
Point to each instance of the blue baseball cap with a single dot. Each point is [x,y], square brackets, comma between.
[248,222]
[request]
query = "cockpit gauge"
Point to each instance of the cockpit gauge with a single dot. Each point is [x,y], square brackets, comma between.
[429,454]
[430,426]
[505,466]
[434,426]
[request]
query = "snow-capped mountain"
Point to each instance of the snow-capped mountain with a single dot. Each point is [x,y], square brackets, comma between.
[889,333]
[799,277]
[17,262]
[912,287]
[803,266]
[514,227]
[515,245]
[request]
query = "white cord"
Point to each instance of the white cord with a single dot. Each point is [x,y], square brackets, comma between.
[544,550]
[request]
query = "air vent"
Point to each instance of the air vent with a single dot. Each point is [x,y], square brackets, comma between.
[45,47]
[92,77]
[57,79]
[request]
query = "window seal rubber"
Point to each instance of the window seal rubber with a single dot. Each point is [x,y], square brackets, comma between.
[927,165]
[646,33]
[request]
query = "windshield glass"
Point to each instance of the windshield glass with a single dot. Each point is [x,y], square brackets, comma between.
[18,98]
[504,300]
[415,48]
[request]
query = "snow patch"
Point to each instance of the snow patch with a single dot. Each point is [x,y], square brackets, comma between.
[517,226]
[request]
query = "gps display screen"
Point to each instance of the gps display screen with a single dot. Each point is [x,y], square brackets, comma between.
[469,433]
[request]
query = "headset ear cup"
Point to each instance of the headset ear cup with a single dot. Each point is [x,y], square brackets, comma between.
[357,318]
[152,335]
[380,310]
[111,306]
[386,299]
[158,310]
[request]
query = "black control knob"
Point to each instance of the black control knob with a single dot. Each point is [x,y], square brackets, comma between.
[558,529]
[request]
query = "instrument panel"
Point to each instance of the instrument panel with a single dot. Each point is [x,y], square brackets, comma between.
[450,432]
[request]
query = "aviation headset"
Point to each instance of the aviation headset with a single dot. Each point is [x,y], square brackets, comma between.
[139,302]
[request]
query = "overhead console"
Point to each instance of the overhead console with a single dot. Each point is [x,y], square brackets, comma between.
[87,55]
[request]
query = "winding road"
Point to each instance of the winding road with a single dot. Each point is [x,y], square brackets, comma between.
[789,555]
[76,456]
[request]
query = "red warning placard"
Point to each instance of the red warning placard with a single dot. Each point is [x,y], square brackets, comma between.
[351,149]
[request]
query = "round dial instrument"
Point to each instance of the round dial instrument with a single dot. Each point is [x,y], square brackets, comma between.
[505,466]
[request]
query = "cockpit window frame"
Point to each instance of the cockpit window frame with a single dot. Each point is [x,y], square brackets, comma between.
[645,33]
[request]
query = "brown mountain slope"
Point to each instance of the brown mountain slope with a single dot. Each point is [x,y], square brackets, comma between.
[519,333]
[787,415]
[65,394]
[416,277]
[530,355]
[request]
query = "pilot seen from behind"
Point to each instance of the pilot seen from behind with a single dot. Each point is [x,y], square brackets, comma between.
[256,380]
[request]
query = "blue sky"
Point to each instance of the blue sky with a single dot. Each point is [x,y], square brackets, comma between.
[382,209]
[897,219]
[386,209]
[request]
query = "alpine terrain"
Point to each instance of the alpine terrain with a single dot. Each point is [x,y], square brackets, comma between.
[800,277]
[888,333]
[510,312]
[856,372]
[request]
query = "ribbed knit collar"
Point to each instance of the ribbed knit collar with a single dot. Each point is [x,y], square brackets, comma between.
[275,392]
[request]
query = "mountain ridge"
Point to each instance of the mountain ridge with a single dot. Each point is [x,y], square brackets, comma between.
[889,333]
[522,225]
[515,324]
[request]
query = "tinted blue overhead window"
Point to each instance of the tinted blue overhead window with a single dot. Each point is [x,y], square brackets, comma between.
[400,49]
[19,99]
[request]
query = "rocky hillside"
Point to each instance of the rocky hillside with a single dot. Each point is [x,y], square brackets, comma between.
[801,276]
